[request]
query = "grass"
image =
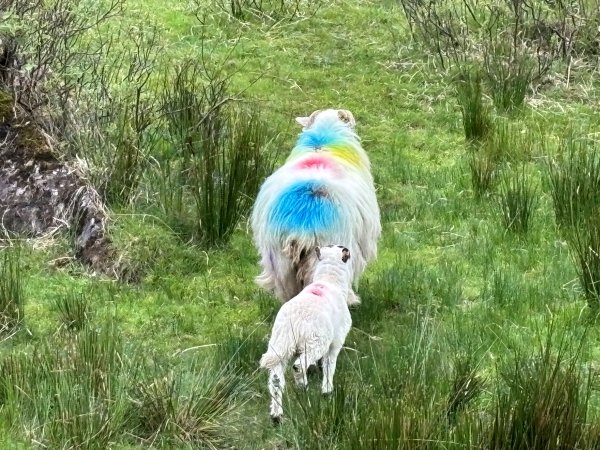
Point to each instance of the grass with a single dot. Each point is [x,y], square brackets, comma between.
[463,339]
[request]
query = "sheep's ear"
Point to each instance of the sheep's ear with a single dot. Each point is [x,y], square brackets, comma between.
[345,255]
[303,121]
[347,117]
[318,252]
[306,122]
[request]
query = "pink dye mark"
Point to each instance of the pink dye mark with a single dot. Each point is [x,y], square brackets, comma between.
[314,161]
[317,289]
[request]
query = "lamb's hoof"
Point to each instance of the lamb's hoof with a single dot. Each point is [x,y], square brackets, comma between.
[275,421]
[327,394]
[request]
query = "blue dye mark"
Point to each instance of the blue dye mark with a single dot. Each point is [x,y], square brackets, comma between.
[320,136]
[304,207]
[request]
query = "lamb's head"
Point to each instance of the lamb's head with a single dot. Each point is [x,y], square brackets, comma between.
[333,254]
[327,115]
[332,265]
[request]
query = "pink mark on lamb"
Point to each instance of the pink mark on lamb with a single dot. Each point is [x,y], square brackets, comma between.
[315,161]
[317,289]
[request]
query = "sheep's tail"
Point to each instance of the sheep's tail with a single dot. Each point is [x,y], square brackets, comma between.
[304,208]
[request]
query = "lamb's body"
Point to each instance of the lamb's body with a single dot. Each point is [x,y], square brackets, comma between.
[312,325]
[322,195]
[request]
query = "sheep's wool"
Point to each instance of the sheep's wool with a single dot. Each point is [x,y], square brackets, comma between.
[323,194]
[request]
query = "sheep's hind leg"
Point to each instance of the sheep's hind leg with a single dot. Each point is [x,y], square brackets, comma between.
[276,386]
[353,298]
[329,363]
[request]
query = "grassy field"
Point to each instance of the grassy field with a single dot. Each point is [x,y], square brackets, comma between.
[469,335]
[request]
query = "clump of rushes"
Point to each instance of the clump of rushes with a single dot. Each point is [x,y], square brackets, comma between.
[12,296]
[518,200]
[189,407]
[216,157]
[509,71]
[484,169]
[547,402]
[74,310]
[466,386]
[584,241]
[475,113]
[574,178]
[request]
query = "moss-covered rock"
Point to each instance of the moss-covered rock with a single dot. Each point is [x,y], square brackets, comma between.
[39,194]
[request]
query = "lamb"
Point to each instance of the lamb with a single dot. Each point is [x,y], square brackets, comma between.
[312,325]
[322,195]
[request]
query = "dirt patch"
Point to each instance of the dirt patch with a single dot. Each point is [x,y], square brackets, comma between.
[40,195]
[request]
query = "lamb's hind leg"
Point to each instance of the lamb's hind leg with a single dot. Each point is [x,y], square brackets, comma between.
[276,386]
[329,363]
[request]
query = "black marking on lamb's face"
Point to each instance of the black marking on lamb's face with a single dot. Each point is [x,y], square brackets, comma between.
[345,254]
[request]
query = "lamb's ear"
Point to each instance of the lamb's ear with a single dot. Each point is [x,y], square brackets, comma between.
[345,255]
[318,252]
[303,121]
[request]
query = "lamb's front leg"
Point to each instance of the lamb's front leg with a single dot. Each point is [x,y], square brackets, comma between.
[300,369]
[276,386]
[302,363]
[329,362]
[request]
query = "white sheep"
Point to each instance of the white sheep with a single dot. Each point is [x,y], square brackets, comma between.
[324,194]
[312,325]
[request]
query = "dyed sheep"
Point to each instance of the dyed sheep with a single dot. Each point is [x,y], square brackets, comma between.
[323,194]
[312,325]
